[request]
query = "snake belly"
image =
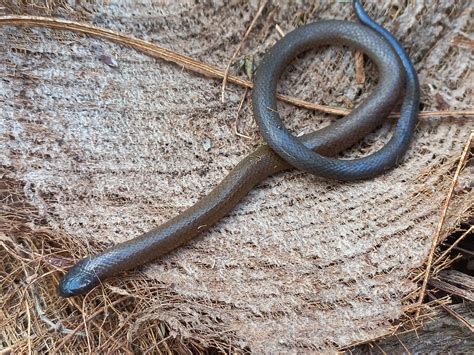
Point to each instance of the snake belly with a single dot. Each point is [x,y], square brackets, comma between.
[310,152]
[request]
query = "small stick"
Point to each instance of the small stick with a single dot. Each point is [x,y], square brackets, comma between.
[441,221]
[378,346]
[231,60]
[29,326]
[401,343]
[440,113]
[189,63]
[42,315]
[359,67]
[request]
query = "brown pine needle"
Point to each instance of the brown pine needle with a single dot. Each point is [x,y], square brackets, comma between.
[441,221]
[440,113]
[89,318]
[237,50]
[189,63]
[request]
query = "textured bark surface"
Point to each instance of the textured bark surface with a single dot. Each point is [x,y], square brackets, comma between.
[302,263]
[443,334]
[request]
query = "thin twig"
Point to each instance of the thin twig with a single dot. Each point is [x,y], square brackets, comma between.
[441,221]
[237,50]
[401,343]
[451,289]
[378,346]
[189,63]
[464,250]
[439,113]
[56,326]
[453,313]
[279,30]
[236,129]
[29,326]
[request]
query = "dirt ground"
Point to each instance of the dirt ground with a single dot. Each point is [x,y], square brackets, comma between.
[100,143]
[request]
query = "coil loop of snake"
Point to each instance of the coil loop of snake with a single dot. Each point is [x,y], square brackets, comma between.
[310,152]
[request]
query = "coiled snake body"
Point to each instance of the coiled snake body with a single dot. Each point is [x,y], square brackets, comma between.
[310,152]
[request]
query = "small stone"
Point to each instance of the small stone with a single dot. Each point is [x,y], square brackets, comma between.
[206,144]
[107,59]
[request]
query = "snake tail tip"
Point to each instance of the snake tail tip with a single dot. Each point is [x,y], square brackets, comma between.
[358,8]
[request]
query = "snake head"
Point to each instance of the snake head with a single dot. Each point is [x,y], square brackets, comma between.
[80,279]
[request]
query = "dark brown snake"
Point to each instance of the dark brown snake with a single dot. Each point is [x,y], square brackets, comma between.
[310,152]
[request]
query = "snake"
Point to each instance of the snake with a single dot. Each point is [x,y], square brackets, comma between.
[313,152]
